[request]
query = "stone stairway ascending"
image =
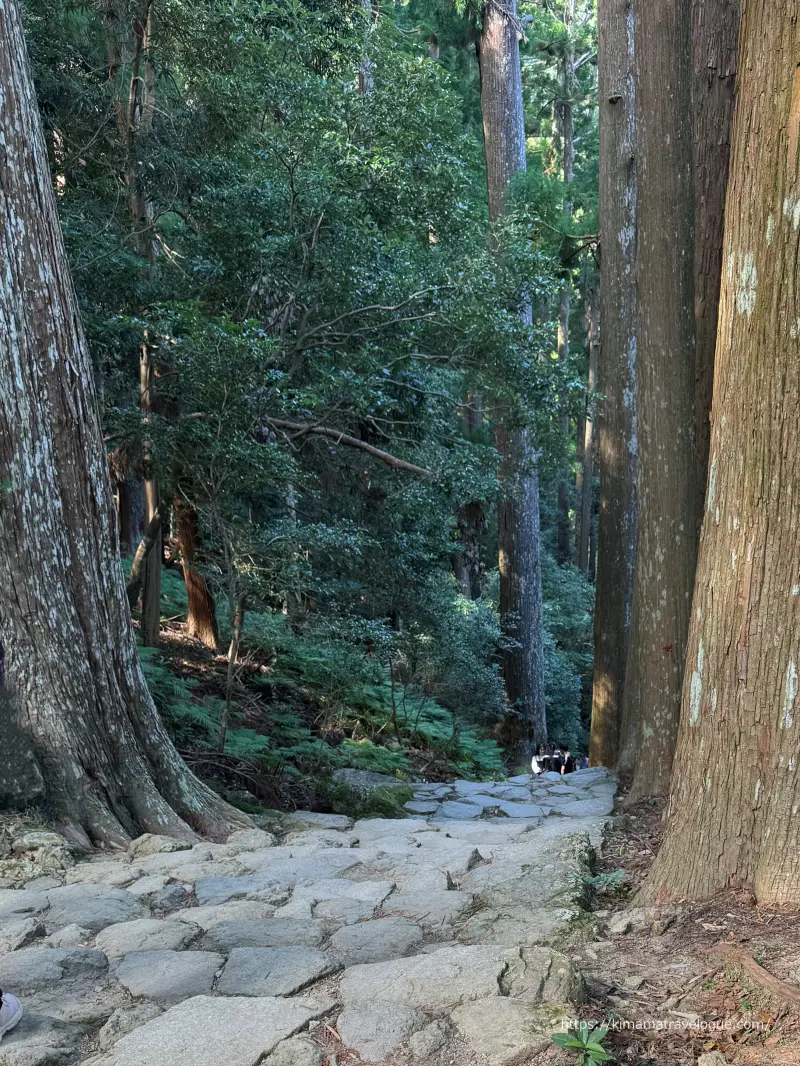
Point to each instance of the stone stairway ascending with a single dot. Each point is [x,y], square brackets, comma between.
[425,940]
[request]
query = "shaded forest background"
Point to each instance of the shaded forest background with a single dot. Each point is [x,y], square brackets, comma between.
[304,331]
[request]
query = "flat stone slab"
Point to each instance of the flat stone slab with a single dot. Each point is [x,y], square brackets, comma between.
[91,907]
[522,810]
[168,976]
[421,806]
[208,1032]
[144,934]
[374,1034]
[34,969]
[431,908]
[459,811]
[211,891]
[503,1030]
[235,910]
[263,933]
[384,938]
[316,820]
[272,971]
[18,902]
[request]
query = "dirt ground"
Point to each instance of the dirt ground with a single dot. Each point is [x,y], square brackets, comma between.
[720,976]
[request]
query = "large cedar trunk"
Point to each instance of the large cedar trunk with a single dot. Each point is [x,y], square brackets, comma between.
[616,414]
[518,513]
[201,620]
[733,806]
[715,37]
[73,678]
[667,537]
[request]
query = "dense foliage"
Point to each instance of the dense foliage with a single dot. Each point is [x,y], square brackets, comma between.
[284,203]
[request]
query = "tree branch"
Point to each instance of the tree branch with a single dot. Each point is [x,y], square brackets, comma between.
[352,442]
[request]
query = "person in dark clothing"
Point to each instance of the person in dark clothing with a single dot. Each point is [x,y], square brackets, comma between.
[567,761]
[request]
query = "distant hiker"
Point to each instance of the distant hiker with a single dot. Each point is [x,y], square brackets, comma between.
[567,761]
[539,760]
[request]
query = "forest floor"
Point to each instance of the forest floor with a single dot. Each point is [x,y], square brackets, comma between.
[721,978]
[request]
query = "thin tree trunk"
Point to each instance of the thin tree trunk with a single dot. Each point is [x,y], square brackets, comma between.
[152,535]
[587,481]
[566,124]
[518,511]
[667,541]
[151,579]
[715,37]
[233,657]
[617,434]
[733,807]
[201,621]
[109,768]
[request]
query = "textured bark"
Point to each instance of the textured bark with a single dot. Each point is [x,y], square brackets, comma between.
[109,768]
[518,512]
[666,549]
[566,124]
[616,415]
[587,477]
[715,37]
[732,814]
[151,577]
[201,621]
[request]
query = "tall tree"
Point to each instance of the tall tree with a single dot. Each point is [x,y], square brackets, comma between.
[74,681]
[732,814]
[586,495]
[715,38]
[518,510]
[666,548]
[616,416]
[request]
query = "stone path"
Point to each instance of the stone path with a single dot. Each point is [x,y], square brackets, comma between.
[425,940]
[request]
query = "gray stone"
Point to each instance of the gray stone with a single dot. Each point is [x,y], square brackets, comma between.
[19,933]
[296,1051]
[375,1033]
[503,1030]
[431,909]
[234,911]
[145,934]
[317,820]
[211,891]
[374,892]
[206,1032]
[365,782]
[520,779]
[250,840]
[421,806]
[263,933]
[39,1040]
[512,794]
[38,838]
[115,872]
[20,901]
[168,976]
[125,1020]
[71,936]
[428,1041]
[345,911]
[312,865]
[385,938]
[272,971]
[453,809]
[33,969]
[147,887]
[43,884]
[585,808]
[522,810]
[170,898]
[153,844]
[92,907]
[712,1058]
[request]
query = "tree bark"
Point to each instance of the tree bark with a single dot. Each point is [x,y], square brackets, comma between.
[566,123]
[587,479]
[109,768]
[667,539]
[617,431]
[733,807]
[518,511]
[715,38]
[201,621]
[151,577]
